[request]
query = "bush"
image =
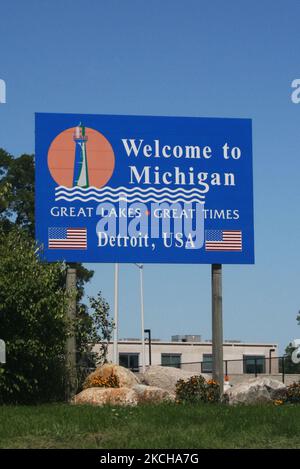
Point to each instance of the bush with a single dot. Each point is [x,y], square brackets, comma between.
[197,389]
[293,393]
[32,323]
[96,381]
[289,395]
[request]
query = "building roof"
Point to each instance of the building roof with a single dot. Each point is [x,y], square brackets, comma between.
[202,343]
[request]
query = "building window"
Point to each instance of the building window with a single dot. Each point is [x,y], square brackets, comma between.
[254,361]
[171,359]
[206,365]
[129,360]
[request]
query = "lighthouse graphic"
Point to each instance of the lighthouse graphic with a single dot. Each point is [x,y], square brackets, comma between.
[81,176]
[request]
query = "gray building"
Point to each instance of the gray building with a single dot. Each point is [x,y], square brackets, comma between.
[189,352]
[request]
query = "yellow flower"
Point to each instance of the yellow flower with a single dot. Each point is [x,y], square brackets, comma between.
[278,402]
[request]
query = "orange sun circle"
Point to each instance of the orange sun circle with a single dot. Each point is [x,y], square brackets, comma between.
[100,158]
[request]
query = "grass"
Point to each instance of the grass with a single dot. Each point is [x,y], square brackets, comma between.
[149,426]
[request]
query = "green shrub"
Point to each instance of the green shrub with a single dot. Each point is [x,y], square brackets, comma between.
[32,323]
[197,389]
[293,393]
[289,395]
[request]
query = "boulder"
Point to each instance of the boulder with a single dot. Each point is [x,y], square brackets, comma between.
[102,396]
[152,394]
[166,377]
[126,377]
[255,391]
[227,386]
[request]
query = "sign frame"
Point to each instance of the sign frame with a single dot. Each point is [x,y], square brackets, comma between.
[213,156]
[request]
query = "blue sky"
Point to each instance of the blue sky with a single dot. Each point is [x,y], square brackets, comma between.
[178,58]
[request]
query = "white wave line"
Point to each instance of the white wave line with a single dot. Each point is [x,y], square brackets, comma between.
[107,193]
[125,189]
[129,192]
[136,199]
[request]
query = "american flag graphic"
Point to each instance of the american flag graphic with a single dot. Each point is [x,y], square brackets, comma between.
[223,240]
[67,238]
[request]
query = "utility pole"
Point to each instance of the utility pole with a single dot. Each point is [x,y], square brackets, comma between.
[71,342]
[142,319]
[140,267]
[116,316]
[2,352]
[217,325]
[148,331]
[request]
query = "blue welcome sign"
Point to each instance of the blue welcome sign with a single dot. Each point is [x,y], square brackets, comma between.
[144,189]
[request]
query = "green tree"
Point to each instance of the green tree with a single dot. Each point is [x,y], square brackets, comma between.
[91,329]
[17,209]
[103,326]
[17,203]
[32,322]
